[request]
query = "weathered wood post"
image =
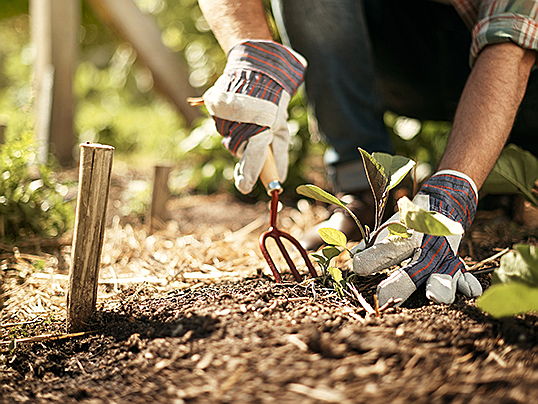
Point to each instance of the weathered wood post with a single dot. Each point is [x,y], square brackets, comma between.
[160,195]
[94,182]
[54,26]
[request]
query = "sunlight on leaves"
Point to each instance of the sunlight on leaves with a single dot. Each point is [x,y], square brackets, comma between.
[398,229]
[509,299]
[427,222]
[396,167]
[519,265]
[314,192]
[333,236]
[336,274]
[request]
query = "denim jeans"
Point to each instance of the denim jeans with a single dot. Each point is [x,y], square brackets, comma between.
[369,56]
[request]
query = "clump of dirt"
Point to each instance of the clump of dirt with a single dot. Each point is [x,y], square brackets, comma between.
[257,341]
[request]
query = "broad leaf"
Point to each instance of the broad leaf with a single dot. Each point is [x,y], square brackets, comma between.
[427,222]
[396,167]
[378,181]
[330,252]
[515,170]
[319,258]
[319,194]
[520,265]
[509,299]
[398,229]
[333,236]
[336,274]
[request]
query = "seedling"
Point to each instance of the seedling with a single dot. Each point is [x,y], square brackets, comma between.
[385,172]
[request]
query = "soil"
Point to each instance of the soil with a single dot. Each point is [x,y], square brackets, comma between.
[251,340]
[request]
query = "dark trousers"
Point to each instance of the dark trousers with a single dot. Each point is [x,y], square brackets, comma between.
[366,57]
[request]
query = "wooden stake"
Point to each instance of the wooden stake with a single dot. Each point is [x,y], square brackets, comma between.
[93,187]
[158,213]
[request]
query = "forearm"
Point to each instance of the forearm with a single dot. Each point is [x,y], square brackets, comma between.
[487,110]
[233,21]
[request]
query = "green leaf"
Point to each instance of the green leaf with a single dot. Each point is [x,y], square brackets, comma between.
[319,194]
[515,170]
[333,236]
[319,258]
[509,299]
[427,222]
[336,274]
[398,229]
[378,180]
[520,265]
[330,252]
[396,167]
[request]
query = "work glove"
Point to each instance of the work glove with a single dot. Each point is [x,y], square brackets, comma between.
[434,259]
[249,104]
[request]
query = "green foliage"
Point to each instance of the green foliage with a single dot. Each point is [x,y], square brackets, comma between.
[398,230]
[384,172]
[509,299]
[333,237]
[519,265]
[423,221]
[31,200]
[516,171]
[515,284]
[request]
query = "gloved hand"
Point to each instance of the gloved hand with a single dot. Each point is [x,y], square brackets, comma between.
[434,259]
[249,104]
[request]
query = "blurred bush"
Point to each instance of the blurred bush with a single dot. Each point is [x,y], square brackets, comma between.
[117,104]
[31,199]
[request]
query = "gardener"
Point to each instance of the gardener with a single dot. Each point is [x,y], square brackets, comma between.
[420,50]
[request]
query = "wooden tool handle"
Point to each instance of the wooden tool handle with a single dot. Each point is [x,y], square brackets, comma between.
[269,174]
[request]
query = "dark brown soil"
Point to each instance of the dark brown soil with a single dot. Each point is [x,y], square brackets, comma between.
[256,341]
[252,340]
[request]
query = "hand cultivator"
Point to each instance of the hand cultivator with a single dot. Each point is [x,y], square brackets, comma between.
[270,180]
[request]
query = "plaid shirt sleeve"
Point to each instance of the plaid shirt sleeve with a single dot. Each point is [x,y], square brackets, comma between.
[498,21]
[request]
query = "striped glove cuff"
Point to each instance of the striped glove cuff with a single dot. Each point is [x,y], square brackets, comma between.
[453,194]
[272,59]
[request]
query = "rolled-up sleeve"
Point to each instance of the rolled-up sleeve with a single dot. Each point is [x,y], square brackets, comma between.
[498,21]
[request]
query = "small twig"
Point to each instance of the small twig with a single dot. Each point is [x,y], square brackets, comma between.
[391,302]
[485,261]
[361,300]
[376,306]
[47,337]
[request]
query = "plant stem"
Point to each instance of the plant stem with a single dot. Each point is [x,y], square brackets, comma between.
[376,233]
[359,225]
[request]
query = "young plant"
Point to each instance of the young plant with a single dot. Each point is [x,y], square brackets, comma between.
[337,242]
[385,172]
[515,284]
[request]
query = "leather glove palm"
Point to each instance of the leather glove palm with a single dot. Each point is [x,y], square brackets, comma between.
[434,259]
[249,105]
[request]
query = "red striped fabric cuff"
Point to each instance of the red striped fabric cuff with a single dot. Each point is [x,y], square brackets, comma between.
[269,58]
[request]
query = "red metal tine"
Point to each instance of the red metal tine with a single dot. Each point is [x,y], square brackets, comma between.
[276,234]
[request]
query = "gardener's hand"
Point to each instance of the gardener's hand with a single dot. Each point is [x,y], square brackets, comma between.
[434,260]
[249,105]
